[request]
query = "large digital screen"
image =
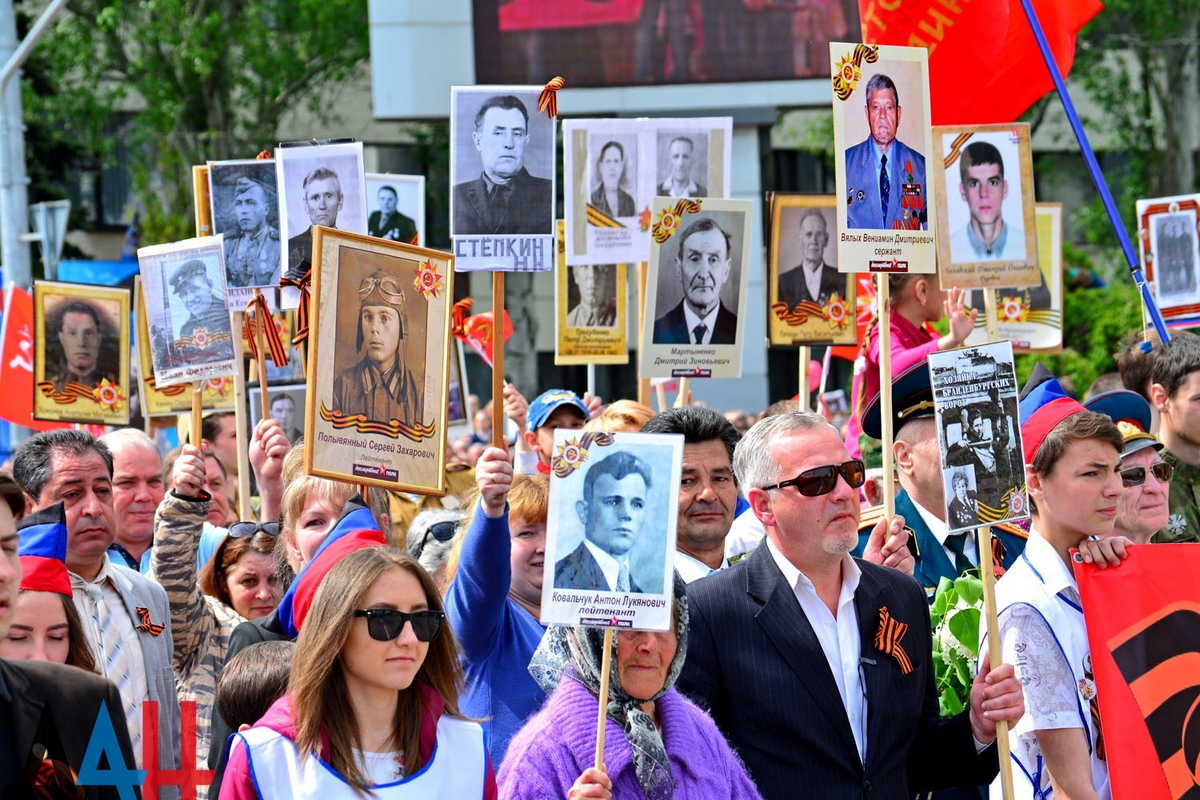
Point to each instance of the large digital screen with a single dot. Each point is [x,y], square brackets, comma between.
[609,43]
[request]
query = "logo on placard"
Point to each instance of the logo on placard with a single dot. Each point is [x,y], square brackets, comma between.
[691,373]
[887,266]
[382,472]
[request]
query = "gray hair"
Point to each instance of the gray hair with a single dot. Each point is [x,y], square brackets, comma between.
[752,461]
[878,83]
[120,439]
[812,213]
[31,462]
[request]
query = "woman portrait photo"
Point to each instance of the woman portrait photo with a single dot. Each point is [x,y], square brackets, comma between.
[610,196]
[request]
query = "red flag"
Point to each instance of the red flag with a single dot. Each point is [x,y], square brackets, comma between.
[1143,623]
[16,368]
[477,332]
[984,64]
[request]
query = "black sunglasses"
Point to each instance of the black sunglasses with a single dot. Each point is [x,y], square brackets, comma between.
[442,531]
[385,624]
[1136,476]
[821,480]
[239,530]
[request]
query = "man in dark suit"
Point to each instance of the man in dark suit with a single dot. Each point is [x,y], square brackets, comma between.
[47,711]
[322,201]
[703,267]
[817,666]
[611,511]
[388,223]
[797,284]
[885,178]
[505,198]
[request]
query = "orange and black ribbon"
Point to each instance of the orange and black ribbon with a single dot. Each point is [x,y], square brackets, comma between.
[146,625]
[887,639]
[302,309]
[72,392]
[458,317]
[548,99]
[262,316]
[169,391]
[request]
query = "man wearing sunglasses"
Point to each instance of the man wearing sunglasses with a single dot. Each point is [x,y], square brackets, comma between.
[818,666]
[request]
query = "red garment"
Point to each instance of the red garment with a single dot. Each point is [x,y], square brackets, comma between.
[910,345]
[238,785]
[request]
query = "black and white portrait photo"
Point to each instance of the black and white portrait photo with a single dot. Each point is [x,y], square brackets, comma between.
[285,406]
[245,209]
[698,281]
[682,163]
[592,296]
[614,177]
[1176,260]
[502,162]
[318,185]
[396,205]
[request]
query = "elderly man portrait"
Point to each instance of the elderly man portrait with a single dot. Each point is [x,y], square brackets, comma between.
[817,666]
[611,512]
[283,411]
[505,198]
[388,223]
[597,306]
[983,187]
[77,328]
[885,178]
[206,309]
[609,198]
[323,201]
[125,614]
[252,252]
[381,386]
[812,280]
[679,181]
[703,265]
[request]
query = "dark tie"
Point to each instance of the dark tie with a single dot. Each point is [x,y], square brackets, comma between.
[699,332]
[955,543]
[885,188]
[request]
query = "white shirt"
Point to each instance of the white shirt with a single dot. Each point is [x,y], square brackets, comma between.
[708,321]
[941,530]
[840,637]
[745,534]
[693,569]
[812,279]
[608,565]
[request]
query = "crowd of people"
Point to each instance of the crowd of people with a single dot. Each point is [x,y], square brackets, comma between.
[354,642]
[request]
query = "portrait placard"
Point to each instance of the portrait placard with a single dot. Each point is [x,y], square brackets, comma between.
[245,209]
[615,166]
[502,165]
[882,138]
[808,301]
[318,185]
[696,290]
[590,325]
[975,395]
[611,530]
[81,357]
[186,311]
[458,419]
[396,207]
[379,356]
[217,394]
[1170,249]
[1031,316]
[287,408]
[985,206]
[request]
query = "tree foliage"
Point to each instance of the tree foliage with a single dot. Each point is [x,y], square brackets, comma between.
[196,79]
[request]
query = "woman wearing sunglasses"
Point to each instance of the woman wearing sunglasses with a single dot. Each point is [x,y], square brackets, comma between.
[657,743]
[238,583]
[372,709]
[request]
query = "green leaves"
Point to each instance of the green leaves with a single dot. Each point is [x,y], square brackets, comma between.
[955,614]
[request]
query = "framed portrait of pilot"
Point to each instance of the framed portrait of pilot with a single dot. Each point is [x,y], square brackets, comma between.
[502,167]
[379,356]
[985,207]
[396,207]
[191,337]
[216,394]
[319,185]
[81,353]
[1169,236]
[610,535]
[245,210]
[809,302]
[696,289]
[882,145]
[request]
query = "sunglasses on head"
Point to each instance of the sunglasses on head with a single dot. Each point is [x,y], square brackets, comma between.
[1136,476]
[239,530]
[385,624]
[821,480]
[442,531]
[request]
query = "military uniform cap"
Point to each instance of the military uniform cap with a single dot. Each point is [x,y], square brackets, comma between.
[247,182]
[187,272]
[912,398]
[1131,413]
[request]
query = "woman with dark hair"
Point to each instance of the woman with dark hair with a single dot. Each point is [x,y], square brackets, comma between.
[609,197]
[372,709]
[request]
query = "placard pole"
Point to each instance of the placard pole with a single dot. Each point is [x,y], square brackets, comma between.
[805,356]
[498,360]
[241,413]
[885,395]
[605,668]
[643,269]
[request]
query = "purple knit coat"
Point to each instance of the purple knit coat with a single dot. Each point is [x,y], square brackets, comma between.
[559,742]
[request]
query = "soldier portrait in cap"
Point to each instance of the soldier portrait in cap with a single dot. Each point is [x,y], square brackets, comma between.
[206,314]
[246,211]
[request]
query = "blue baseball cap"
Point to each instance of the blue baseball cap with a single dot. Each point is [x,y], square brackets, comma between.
[547,402]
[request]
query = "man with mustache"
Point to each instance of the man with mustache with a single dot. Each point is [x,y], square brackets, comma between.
[703,266]
[322,201]
[986,236]
[611,512]
[885,178]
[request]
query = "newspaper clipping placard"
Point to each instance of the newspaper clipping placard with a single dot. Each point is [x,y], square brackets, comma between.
[611,531]
[975,397]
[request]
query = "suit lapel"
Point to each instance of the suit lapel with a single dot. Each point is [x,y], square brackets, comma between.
[871,190]
[933,563]
[877,677]
[786,625]
[475,194]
